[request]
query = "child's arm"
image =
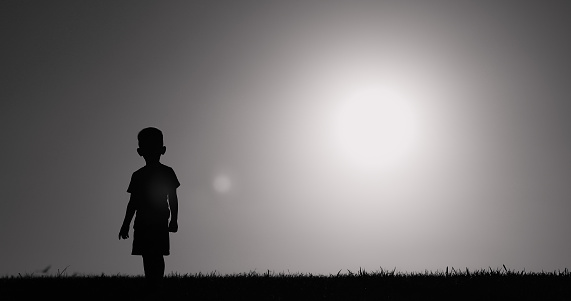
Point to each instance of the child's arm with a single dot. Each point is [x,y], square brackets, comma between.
[173,204]
[124,232]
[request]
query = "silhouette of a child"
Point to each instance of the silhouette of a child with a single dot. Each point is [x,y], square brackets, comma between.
[153,192]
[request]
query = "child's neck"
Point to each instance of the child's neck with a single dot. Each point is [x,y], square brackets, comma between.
[153,163]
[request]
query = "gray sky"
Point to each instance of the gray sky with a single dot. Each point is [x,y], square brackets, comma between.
[246,93]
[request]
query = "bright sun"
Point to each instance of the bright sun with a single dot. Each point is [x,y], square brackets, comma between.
[374,129]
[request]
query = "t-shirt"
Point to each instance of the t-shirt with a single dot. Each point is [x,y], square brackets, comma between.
[149,188]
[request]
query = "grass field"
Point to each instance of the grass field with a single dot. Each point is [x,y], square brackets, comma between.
[449,284]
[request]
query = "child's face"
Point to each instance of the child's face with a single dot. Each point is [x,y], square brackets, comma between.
[151,154]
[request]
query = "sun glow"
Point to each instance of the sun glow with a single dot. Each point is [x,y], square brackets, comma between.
[374,129]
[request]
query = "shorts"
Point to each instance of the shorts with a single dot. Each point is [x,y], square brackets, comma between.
[151,241]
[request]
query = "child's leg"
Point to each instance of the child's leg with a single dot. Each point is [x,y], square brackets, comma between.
[160,266]
[147,265]
[154,266]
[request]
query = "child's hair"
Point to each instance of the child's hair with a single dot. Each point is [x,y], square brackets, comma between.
[150,138]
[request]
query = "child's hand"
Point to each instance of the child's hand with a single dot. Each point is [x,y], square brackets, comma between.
[124,232]
[173,226]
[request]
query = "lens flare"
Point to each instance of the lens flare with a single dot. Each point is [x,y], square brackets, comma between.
[222,184]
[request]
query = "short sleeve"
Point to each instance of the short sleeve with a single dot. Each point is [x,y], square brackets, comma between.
[132,184]
[174,180]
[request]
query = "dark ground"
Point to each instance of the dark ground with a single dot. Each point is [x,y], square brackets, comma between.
[483,285]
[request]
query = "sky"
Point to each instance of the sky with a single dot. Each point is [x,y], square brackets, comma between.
[308,136]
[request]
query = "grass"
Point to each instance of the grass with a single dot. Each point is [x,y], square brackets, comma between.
[449,284]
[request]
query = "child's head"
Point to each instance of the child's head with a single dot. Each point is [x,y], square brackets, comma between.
[151,144]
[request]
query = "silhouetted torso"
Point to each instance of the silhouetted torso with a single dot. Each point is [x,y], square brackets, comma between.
[150,186]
